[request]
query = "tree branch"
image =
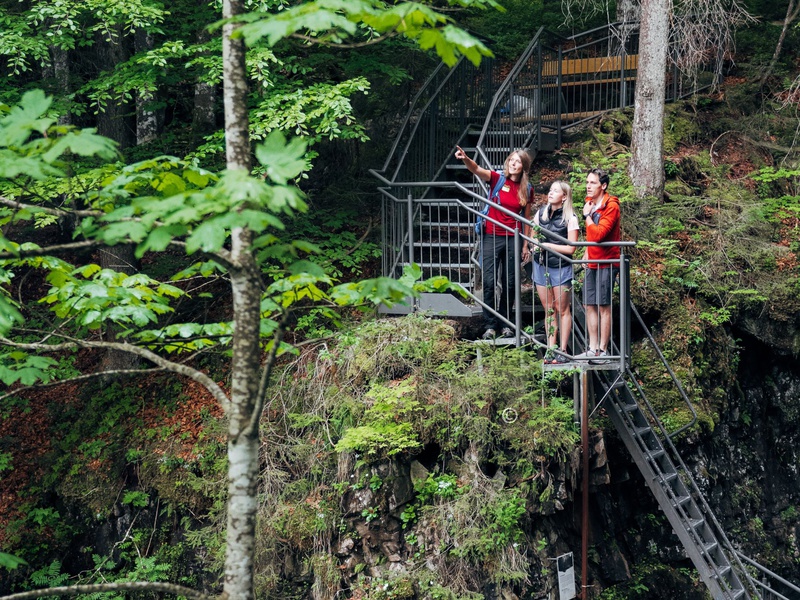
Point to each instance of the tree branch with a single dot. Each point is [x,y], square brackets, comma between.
[50,211]
[56,249]
[222,256]
[134,586]
[39,386]
[792,12]
[165,364]
[312,40]
[267,373]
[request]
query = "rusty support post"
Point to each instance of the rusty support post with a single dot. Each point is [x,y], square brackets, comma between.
[585,470]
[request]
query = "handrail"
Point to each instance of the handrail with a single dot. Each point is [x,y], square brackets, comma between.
[533,45]
[769,573]
[410,112]
[458,185]
[424,109]
[672,375]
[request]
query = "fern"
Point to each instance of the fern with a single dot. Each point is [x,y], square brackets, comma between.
[50,576]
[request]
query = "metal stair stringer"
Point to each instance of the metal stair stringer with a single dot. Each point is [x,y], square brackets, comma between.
[697,529]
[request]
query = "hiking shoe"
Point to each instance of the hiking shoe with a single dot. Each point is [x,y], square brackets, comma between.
[507,332]
[561,359]
[489,334]
[600,358]
[549,356]
[589,354]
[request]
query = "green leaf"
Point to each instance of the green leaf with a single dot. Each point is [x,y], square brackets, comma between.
[10,562]
[208,237]
[283,161]
[83,142]
[24,119]
[9,315]
[159,239]
[308,268]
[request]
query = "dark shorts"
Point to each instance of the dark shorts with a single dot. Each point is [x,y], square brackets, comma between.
[598,285]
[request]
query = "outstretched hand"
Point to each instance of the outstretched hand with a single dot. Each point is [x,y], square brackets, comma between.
[460,154]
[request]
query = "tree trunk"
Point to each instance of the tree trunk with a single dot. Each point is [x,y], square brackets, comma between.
[61,76]
[111,122]
[120,259]
[243,430]
[243,440]
[146,117]
[646,168]
[204,118]
[234,73]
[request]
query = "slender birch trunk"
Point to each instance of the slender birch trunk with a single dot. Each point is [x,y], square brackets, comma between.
[647,136]
[243,439]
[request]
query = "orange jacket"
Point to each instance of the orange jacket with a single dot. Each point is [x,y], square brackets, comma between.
[604,229]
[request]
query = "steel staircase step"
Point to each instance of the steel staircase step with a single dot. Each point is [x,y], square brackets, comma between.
[738,593]
[449,203]
[448,224]
[505,150]
[668,477]
[639,431]
[445,266]
[723,572]
[695,523]
[616,384]
[681,500]
[710,547]
[435,244]
[654,454]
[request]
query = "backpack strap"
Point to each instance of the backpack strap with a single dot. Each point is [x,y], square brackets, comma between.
[497,186]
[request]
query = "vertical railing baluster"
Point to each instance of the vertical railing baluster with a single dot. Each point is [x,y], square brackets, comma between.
[517,286]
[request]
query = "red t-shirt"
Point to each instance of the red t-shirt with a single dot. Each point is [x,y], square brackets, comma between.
[508,199]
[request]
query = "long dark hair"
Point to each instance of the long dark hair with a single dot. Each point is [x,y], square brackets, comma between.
[525,159]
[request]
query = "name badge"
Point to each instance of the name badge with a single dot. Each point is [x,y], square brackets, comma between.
[506,188]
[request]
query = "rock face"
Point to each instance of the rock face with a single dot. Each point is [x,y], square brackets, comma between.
[747,467]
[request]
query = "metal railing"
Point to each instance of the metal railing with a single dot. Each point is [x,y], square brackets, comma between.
[421,237]
[558,84]
[451,101]
[768,584]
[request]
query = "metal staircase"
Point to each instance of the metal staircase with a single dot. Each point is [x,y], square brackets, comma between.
[727,573]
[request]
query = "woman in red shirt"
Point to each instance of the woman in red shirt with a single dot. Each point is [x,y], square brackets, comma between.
[497,237]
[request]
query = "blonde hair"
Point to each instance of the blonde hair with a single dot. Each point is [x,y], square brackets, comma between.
[566,203]
[524,181]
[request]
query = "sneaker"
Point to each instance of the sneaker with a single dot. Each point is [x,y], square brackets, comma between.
[507,332]
[561,359]
[601,358]
[589,354]
[489,334]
